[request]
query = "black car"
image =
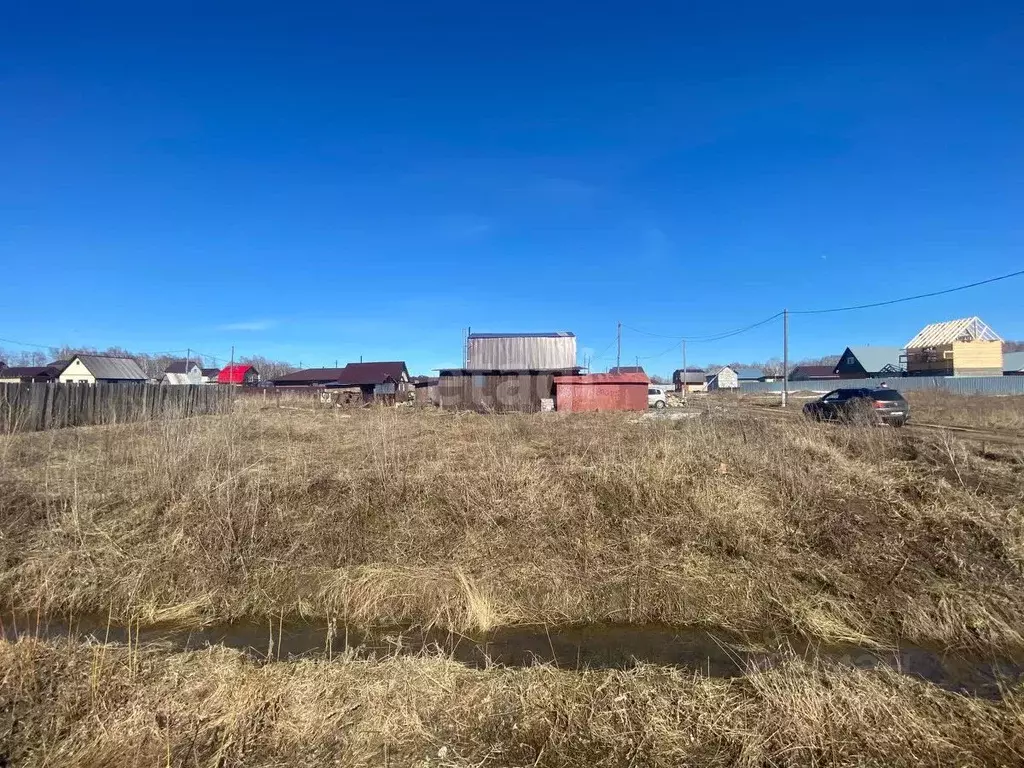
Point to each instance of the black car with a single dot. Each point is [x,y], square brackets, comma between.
[882,405]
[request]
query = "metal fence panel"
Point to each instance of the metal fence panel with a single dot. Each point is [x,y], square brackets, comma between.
[960,385]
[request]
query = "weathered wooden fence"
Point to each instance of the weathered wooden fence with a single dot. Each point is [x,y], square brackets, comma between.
[44,405]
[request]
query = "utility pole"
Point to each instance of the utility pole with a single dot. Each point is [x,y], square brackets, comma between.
[685,382]
[188,354]
[618,352]
[785,356]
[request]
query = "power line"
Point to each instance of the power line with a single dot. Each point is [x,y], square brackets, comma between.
[710,337]
[906,298]
[603,351]
[26,344]
[661,354]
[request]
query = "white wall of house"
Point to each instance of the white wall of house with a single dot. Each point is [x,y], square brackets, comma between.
[194,376]
[724,379]
[76,372]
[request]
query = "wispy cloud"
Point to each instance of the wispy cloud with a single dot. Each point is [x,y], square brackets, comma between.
[657,244]
[248,325]
[557,190]
[465,227]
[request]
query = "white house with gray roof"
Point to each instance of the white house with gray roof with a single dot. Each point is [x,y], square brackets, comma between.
[90,369]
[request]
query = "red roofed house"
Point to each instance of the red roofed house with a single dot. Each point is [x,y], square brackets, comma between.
[239,374]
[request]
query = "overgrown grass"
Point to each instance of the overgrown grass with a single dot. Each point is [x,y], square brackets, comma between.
[986,412]
[470,522]
[80,706]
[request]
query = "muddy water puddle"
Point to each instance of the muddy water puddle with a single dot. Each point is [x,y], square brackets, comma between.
[710,653]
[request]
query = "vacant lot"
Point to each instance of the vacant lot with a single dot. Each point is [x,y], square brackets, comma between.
[470,522]
[982,412]
[750,527]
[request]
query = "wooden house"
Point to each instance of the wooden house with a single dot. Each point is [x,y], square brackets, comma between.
[90,369]
[965,347]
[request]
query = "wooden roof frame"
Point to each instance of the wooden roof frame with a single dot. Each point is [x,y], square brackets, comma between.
[964,329]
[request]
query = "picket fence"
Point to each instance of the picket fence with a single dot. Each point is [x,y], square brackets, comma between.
[960,385]
[46,405]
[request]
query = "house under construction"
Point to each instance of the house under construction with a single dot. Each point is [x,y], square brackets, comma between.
[965,347]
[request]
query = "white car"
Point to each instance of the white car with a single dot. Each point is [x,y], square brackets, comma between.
[656,397]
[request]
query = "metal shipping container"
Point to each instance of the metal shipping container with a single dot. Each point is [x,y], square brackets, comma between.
[521,351]
[601,392]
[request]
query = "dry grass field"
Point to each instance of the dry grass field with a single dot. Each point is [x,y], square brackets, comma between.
[769,533]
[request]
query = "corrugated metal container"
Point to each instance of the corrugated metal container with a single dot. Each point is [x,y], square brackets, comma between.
[601,392]
[521,351]
[496,391]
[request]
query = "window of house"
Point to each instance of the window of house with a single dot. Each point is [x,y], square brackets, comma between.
[849,360]
[478,380]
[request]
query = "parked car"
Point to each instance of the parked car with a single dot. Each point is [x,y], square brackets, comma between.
[656,397]
[882,405]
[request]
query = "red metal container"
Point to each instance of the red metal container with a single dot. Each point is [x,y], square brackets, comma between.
[602,392]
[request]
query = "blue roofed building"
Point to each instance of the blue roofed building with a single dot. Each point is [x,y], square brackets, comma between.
[748,373]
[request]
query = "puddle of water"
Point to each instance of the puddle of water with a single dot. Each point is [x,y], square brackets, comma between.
[585,647]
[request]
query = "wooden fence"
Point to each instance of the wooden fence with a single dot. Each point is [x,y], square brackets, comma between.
[44,405]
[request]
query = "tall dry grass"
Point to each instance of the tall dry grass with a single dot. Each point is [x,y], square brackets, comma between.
[79,706]
[982,411]
[470,522]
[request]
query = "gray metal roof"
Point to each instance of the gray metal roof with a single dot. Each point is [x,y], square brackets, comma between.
[747,372]
[554,335]
[118,368]
[877,359]
[1013,361]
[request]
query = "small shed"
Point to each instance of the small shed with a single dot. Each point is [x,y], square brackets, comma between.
[497,390]
[869,362]
[723,378]
[964,347]
[239,375]
[425,388]
[601,392]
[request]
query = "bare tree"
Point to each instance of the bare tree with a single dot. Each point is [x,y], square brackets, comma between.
[269,369]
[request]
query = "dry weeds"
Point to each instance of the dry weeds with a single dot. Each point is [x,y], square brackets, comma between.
[980,411]
[77,706]
[471,522]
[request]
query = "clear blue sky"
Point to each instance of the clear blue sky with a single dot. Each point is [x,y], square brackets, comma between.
[319,181]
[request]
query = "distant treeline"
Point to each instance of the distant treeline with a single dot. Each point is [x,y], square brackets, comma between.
[152,364]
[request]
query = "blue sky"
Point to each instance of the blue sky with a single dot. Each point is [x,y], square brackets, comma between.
[323,181]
